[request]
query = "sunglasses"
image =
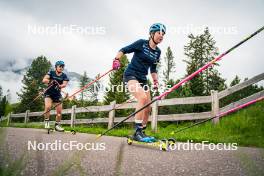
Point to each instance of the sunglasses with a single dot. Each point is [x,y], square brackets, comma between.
[61,66]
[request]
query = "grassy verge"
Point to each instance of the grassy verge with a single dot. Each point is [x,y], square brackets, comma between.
[245,127]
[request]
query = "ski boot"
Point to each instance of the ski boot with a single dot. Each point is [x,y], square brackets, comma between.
[140,137]
[46,124]
[58,128]
[153,139]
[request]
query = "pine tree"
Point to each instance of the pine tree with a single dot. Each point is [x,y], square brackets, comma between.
[169,65]
[3,104]
[83,81]
[2,109]
[91,93]
[5,107]
[8,95]
[94,91]
[200,50]
[235,81]
[33,85]
[1,92]
[243,93]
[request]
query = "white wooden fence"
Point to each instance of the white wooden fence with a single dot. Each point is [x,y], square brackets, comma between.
[155,117]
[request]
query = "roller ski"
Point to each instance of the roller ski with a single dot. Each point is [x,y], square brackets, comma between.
[57,128]
[140,138]
[161,144]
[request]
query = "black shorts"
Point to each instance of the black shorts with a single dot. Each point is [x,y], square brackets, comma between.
[54,98]
[143,83]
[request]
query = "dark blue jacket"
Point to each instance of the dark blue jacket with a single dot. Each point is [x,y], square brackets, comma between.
[54,90]
[144,58]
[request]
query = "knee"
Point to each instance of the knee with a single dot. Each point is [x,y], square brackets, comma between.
[149,108]
[143,99]
[59,115]
[48,108]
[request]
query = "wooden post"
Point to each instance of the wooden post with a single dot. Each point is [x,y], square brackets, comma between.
[73,115]
[9,118]
[154,115]
[215,106]
[26,116]
[111,115]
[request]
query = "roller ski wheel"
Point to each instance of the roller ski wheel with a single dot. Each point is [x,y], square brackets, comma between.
[162,144]
[73,132]
[171,141]
[129,141]
[49,130]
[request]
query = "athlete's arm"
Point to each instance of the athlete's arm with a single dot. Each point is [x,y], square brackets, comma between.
[154,77]
[155,80]
[46,79]
[119,55]
[130,48]
[64,84]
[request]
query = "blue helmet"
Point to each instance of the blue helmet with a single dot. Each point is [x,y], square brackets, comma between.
[157,27]
[59,63]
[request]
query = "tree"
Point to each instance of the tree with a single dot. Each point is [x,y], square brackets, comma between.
[32,84]
[94,91]
[91,93]
[215,82]
[200,50]
[235,81]
[3,104]
[243,93]
[83,81]
[1,92]
[2,107]
[8,95]
[116,89]
[5,107]
[169,65]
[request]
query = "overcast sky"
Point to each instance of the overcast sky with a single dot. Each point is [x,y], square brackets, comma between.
[106,26]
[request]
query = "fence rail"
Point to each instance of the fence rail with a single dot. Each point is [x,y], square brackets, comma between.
[155,117]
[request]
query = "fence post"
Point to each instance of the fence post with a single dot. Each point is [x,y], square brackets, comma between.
[9,118]
[73,115]
[111,115]
[154,114]
[26,116]
[215,106]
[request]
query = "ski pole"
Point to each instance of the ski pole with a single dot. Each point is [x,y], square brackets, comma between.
[78,91]
[122,104]
[40,93]
[221,114]
[176,86]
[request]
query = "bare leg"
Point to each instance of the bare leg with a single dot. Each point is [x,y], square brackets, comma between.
[48,104]
[138,92]
[58,110]
[147,110]
[58,118]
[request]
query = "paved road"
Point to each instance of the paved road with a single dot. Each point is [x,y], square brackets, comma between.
[117,158]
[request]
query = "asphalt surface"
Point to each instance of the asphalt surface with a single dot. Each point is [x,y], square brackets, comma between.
[113,156]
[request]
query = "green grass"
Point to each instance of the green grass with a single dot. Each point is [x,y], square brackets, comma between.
[245,127]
